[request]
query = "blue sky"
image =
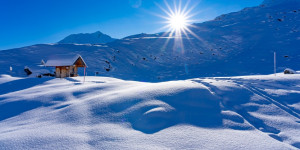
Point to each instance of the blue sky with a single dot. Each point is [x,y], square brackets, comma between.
[28,22]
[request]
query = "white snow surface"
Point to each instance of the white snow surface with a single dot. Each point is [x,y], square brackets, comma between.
[7,78]
[246,112]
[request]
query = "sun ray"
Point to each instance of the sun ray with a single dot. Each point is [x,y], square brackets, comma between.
[169,7]
[175,7]
[164,10]
[186,6]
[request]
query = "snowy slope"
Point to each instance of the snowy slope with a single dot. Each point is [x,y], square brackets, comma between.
[246,112]
[239,43]
[279,2]
[87,38]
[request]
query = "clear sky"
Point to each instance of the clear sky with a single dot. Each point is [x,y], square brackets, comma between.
[28,22]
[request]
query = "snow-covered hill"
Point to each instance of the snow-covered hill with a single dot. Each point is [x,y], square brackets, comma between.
[279,2]
[87,38]
[239,43]
[247,112]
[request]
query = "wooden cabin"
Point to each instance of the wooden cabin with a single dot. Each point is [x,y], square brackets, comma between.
[66,66]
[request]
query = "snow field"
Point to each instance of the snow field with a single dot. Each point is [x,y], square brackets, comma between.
[247,112]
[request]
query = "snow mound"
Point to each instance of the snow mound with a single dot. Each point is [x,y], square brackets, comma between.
[7,78]
[289,71]
[247,112]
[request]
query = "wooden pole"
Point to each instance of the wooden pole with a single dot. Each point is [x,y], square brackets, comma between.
[84,74]
[275,63]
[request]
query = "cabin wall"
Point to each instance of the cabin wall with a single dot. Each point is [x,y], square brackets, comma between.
[75,71]
[66,71]
[57,72]
[60,72]
[63,72]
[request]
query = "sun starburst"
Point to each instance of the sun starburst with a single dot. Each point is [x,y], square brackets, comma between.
[178,20]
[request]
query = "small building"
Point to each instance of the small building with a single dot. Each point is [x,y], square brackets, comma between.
[66,66]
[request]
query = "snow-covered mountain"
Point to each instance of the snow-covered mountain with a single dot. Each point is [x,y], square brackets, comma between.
[279,2]
[87,38]
[238,43]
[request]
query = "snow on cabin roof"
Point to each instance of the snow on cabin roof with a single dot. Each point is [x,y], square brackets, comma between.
[64,61]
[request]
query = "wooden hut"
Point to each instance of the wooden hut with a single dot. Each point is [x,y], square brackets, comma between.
[66,66]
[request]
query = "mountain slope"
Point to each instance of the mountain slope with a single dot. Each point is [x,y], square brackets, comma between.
[238,43]
[269,3]
[87,38]
[252,112]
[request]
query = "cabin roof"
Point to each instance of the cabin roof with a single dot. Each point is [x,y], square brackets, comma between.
[59,61]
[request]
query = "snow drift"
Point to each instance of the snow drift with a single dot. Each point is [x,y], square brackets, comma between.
[250,112]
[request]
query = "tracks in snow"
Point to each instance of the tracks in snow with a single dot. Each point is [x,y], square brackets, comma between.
[239,107]
[273,101]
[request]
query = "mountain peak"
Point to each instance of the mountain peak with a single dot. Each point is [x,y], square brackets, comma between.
[97,32]
[87,38]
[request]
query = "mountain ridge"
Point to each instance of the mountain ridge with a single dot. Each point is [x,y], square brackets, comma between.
[278,2]
[87,38]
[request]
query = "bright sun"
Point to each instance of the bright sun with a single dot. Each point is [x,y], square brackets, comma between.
[178,22]
[178,19]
